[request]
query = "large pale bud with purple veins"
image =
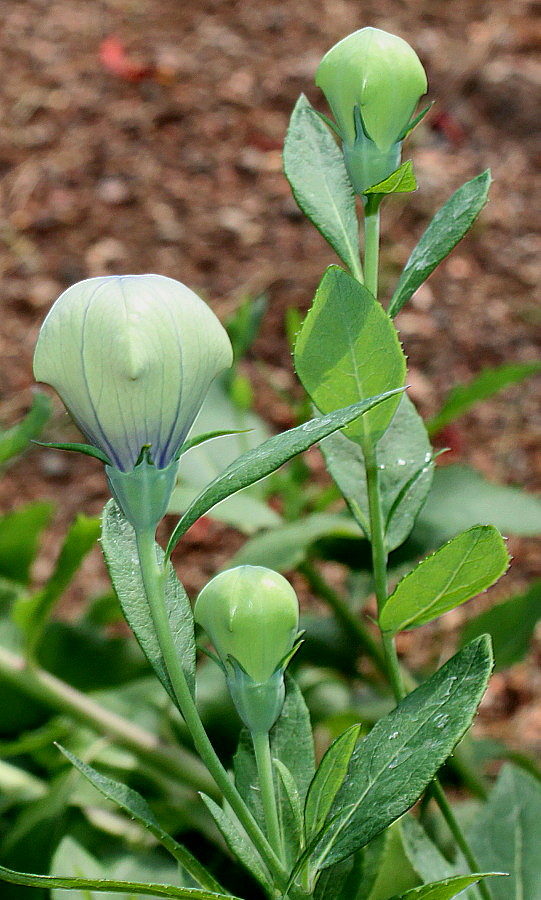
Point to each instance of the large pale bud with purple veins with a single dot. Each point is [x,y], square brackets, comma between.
[132,358]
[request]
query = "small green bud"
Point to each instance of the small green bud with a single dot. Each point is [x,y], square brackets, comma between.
[251,615]
[372,81]
[132,358]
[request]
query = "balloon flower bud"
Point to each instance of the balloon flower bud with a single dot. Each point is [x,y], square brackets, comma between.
[372,81]
[132,358]
[251,615]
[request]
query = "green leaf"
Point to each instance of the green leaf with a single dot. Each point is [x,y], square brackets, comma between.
[85,449]
[132,802]
[20,532]
[289,803]
[461,497]
[348,350]
[14,440]
[315,168]
[406,470]
[507,835]
[210,436]
[291,742]
[446,229]
[463,396]
[511,626]
[398,759]
[32,614]
[269,456]
[119,547]
[104,884]
[238,842]
[456,572]
[285,547]
[328,780]
[401,181]
[444,890]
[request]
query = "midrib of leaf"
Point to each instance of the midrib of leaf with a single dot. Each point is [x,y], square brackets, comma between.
[355,806]
[444,590]
[353,264]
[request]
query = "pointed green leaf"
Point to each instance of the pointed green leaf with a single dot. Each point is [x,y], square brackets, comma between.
[269,456]
[507,835]
[119,547]
[398,759]
[289,803]
[463,396]
[446,229]
[348,350]
[401,181]
[238,842]
[14,440]
[444,890]
[132,802]
[456,572]
[32,614]
[85,449]
[426,859]
[315,168]
[209,436]
[406,469]
[328,780]
[49,882]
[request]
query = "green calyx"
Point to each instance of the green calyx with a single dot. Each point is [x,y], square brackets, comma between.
[143,494]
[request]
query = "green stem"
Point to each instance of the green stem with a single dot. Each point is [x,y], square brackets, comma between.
[350,623]
[153,579]
[447,813]
[266,783]
[371,243]
[61,697]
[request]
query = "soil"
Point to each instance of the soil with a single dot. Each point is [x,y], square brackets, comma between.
[140,136]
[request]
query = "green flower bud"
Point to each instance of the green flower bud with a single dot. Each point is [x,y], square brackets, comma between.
[251,615]
[132,358]
[372,81]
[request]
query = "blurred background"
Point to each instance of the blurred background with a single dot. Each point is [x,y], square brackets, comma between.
[146,135]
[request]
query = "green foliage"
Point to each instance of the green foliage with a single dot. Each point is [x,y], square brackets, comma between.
[20,532]
[461,497]
[119,547]
[507,834]
[510,625]
[463,396]
[237,842]
[132,802]
[255,464]
[406,470]
[16,439]
[32,614]
[339,352]
[456,572]
[401,181]
[442,890]
[328,780]
[315,168]
[446,229]
[402,753]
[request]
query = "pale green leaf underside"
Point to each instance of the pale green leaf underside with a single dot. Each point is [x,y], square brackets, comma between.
[314,166]
[444,890]
[456,572]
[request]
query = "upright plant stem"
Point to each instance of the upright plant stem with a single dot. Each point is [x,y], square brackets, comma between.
[371,243]
[266,783]
[153,580]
